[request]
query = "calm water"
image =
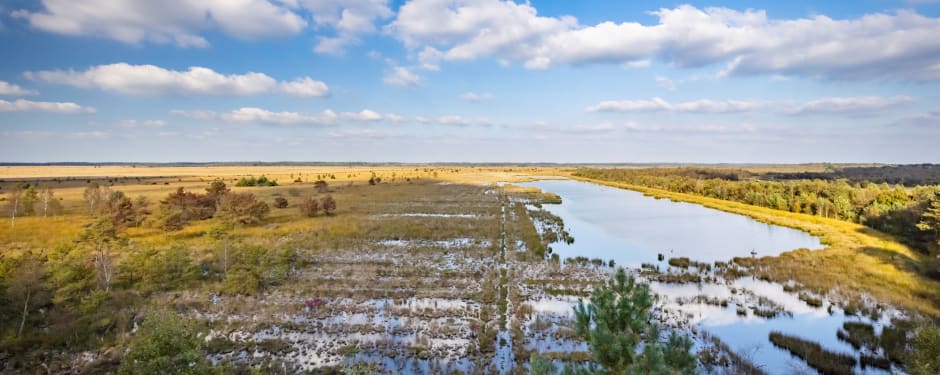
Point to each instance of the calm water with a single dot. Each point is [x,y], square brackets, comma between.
[631,228]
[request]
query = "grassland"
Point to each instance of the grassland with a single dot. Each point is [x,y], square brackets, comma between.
[432,269]
[422,270]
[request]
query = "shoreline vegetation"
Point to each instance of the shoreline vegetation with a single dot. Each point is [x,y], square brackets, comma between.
[856,259]
[413,269]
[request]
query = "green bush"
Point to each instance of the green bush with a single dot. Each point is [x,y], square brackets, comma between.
[165,344]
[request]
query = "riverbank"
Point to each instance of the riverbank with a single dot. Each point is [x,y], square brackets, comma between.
[856,259]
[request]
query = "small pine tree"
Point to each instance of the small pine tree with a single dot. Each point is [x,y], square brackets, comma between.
[617,320]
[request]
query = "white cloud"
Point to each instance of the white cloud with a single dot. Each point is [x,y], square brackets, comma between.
[179,22]
[453,120]
[474,97]
[258,115]
[747,41]
[140,123]
[22,105]
[305,86]
[10,89]
[402,77]
[637,64]
[660,105]
[264,116]
[153,80]
[348,18]
[688,128]
[860,105]
[852,106]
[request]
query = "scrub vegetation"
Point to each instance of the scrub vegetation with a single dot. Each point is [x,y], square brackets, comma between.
[388,269]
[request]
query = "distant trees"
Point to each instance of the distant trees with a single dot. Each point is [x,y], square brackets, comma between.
[252,181]
[889,208]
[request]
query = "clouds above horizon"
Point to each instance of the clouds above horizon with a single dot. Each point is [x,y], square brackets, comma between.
[676,80]
[9,89]
[22,105]
[178,22]
[153,80]
[852,106]
[746,42]
[264,116]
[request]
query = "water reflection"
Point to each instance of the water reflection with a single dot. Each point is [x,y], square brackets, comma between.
[630,228]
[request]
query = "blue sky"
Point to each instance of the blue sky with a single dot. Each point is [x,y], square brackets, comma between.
[469,81]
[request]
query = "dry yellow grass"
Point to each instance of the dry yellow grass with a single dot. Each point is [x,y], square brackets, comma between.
[857,258]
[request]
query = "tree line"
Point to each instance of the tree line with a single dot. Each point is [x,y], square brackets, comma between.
[910,213]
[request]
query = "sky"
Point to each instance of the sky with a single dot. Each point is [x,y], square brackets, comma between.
[586,81]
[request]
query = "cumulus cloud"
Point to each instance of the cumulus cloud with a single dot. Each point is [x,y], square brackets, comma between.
[10,89]
[22,105]
[348,18]
[264,116]
[748,42]
[402,77]
[305,86]
[153,80]
[474,97]
[179,22]
[852,106]
[660,105]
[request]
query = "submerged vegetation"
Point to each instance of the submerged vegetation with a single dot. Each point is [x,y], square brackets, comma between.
[857,258]
[416,272]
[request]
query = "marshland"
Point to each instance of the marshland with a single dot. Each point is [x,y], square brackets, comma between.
[443,269]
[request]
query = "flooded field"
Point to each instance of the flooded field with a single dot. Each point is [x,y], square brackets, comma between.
[700,288]
[448,278]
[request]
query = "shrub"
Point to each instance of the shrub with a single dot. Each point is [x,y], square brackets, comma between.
[280,202]
[166,344]
[181,207]
[242,208]
[252,181]
[321,186]
[328,204]
[310,207]
[679,262]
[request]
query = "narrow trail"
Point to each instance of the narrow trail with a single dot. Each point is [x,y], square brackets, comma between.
[504,360]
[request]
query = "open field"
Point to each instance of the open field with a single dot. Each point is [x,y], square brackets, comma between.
[430,269]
